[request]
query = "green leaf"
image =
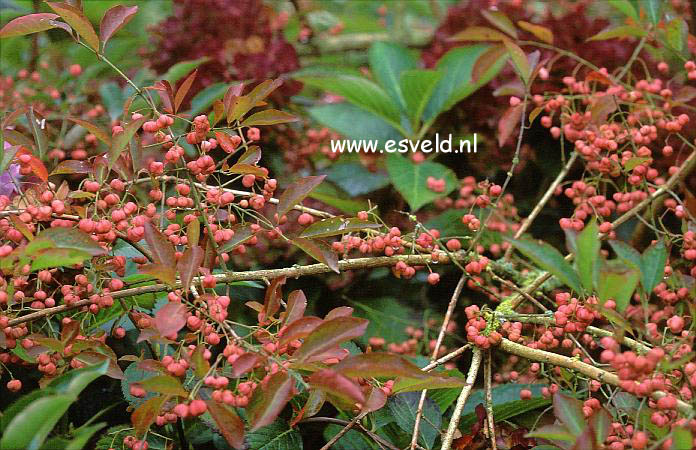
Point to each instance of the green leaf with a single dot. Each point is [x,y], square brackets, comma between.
[183,68]
[552,433]
[269,117]
[404,407]
[242,234]
[410,179]
[501,21]
[32,23]
[627,254]
[81,437]
[387,318]
[164,384]
[72,238]
[22,402]
[276,436]
[506,402]
[456,83]
[360,92]
[568,411]
[354,122]
[549,259]
[653,9]
[653,264]
[621,31]
[38,132]
[617,281]
[676,33]
[331,195]
[519,60]
[119,142]
[588,246]
[74,381]
[336,226]
[387,62]
[77,20]
[417,88]
[98,132]
[355,178]
[30,428]
[202,101]
[626,8]
[57,257]
[681,438]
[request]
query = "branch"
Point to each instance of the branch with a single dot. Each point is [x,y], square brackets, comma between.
[345,429]
[466,390]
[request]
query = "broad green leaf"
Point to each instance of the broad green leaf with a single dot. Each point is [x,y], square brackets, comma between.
[506,402]
[404,408]
[98,132]
[360,92]
[29,428]
[276,436]
[549,259]
[355,179]
[388,61]
[296,192]
[81,437]
[242,234]
[681,438]
[332,196]
[417,87]
[653,262]
[479,34]
[552,433]
[354,122]
[626,8]
[653,10]
[183,68]
[77,20]
[228,422]
[388,318]
[72,238]
[269,117]
[456,83]
[336,226]
[587,256]
[500,21]
[627,254]
[621,31]
[32,23]
[541,32]
[618,282]
[410,179]
[202,101]
[267,402]
[676,33]
[57,257]
[568,411]
[74,381]
[164,384]
[22,402]
[330,334]
[119,142]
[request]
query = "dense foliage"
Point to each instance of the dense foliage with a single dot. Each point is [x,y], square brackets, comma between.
[187,262]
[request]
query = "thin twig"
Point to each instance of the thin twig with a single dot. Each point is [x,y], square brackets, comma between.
[487,368]
[345,429]
[461,400]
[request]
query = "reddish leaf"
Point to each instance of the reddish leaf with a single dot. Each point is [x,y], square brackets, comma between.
[145,414]
[296,192]
[37,167]
[602,107]
[251,155]
[69,331]
[72,166]
[225,141]
[245,363]
[312,406]
[268,117]
[509,123]
[335,226]
[488,59]
[242,233]
[300,329]
[164,384]
[13,116]
[341,311]
[375,400]
[274,293]
[296,305]
[230,425]
[98,132]
[119,142]
[72,238]
[568,411]
[684,94]
[539,31]
[219,110]
[233,92]
[114,19]
[183,90]
[479,34]
[318,251]
[332,353]
[166,94]
[163,272]
[161,248]
[21,227]
[501,21]
[32,23]
[189,264]
[268,401]
[170,318]
[92,357]
[331,334]
[77,20]
[519,60]
[338,386]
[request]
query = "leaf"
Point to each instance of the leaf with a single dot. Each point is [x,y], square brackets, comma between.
[208,96]
[248,169]
[267,402]
[681,438]
[360,92]
[245,363]
[600,424]
[621,31]
[635,162]
[416,87]
[539,31]
[74,381]
[251,155]
[552,433]
[410,179]
[242,105]
[510,121]
[588,246]
[114,19]
[296,192]
[494,56]
[653,264]
[519,60]
[38,133]
[269,117]
[161,248]
[501,21]
[193,232]
[228,422]
[618,282]
[549,259]
[119,142]
[72,238]
[274,293]
[32,23]
[77,20]
[276,436]
[627,254]
[355,179]
[404,408]
[92,358]
[30,427]
[653,9]
[338,386]
[568,411]
[57,257]
[353,122]
[299,329]
[296,305]
[506,402]
[163,272]
[183,90]
[388,61]
[330,334]
[181,69]
[98,132]
[626,8]
[478,34]
[335,226]
[318,251]
[242,234]
[201,366]
[170,318]
[145,414]
[676,33]
[188,265]
[164,384]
